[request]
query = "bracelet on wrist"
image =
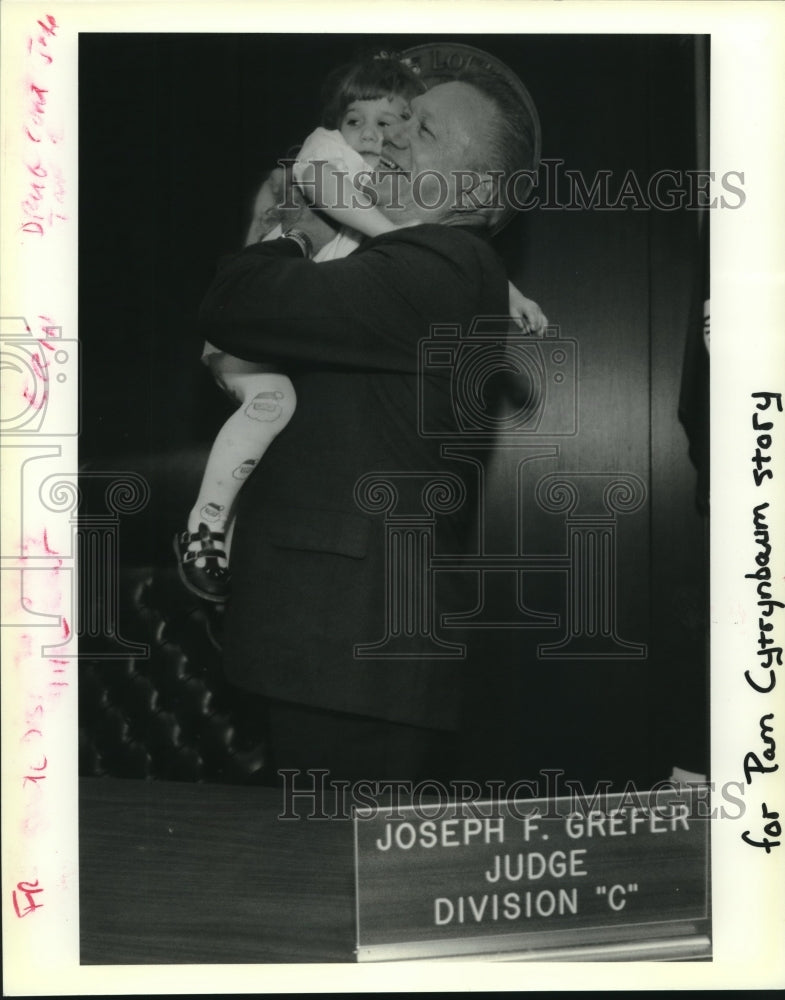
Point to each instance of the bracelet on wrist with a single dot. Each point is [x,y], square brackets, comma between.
[303,241]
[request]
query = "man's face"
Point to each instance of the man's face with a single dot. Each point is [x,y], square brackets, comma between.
[448,132]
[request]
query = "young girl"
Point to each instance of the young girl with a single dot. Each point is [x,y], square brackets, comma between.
[364,101]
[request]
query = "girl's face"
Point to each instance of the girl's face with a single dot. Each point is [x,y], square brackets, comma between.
[365,123]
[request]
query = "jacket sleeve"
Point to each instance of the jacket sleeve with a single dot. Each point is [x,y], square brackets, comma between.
[365,311]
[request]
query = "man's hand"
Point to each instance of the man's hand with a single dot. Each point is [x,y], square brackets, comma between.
[268,211]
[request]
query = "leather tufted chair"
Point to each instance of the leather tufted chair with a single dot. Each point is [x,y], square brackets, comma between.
[153,700]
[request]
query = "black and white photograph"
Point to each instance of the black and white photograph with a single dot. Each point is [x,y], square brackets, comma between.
[375,555]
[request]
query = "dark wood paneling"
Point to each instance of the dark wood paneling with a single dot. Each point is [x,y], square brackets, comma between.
[621,284]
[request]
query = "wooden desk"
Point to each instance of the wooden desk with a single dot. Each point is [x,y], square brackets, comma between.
[180,872]
[196,873]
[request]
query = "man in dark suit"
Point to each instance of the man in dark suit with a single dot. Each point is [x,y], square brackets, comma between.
[309,564]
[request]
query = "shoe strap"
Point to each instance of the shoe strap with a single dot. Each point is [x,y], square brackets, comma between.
[203,534]
[208,551]
[205,553]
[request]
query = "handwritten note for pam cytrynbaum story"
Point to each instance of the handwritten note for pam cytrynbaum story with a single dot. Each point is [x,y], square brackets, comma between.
[761,761]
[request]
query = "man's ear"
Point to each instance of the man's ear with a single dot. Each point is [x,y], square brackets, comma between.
[475,192]
[486,198]
[487,191]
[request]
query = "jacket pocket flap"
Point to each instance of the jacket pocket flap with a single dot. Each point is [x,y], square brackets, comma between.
[318,531]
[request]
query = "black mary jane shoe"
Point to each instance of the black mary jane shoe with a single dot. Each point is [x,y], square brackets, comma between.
[210,581]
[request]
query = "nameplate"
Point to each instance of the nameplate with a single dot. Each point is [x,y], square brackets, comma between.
[618,877]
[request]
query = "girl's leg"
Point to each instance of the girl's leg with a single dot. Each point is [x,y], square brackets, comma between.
[267,403]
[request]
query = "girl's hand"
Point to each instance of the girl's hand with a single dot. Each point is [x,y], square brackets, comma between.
[526,314]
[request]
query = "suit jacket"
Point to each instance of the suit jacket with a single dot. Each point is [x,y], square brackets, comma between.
[309,564]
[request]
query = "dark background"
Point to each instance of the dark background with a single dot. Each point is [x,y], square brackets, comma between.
[176,133]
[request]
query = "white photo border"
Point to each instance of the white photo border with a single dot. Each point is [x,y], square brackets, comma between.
[39,282]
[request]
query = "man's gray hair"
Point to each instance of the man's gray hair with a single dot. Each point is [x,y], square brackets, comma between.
[512,144]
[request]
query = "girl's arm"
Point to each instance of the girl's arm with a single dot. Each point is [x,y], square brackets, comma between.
[525,312]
